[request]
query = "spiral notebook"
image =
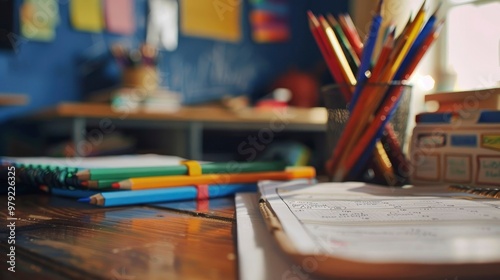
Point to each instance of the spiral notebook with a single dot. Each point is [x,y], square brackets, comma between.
[59,172]
[357,231]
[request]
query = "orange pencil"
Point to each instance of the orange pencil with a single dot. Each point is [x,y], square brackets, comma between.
[213,179]
[384,55]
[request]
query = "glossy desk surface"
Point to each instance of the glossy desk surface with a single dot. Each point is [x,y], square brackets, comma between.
[58,238]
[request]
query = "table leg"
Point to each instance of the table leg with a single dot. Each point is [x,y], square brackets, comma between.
[78,134]
[195,140]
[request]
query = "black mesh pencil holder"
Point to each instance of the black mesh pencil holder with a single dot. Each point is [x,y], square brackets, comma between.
[338,115]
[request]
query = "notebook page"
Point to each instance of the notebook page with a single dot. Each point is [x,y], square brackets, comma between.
[378,224]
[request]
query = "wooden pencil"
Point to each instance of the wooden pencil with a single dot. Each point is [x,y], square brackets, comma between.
[214,179]
[352,34]
[349,52]
[135,197]
[206,168]
[327,52]
[337,49]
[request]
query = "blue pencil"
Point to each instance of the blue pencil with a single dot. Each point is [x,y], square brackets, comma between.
[122,198]
[366,58]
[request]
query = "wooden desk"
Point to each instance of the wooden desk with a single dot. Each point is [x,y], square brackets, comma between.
[12,99]
[58,238]
[193,119]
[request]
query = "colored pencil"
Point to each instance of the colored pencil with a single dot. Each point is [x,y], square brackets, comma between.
[351,55]
[390,102]
[384,55]
[211,179]
[122,198]
[387,169]
[399,161]
[207,168]
[98,184]
[351,33]
[366,58]
[327,52]
[339,54]
[371,99]
[371,107]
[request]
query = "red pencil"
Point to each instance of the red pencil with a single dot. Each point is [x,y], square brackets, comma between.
[327,52]
[351,33]
[384,55]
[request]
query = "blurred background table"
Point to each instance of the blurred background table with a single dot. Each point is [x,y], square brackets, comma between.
[76,119]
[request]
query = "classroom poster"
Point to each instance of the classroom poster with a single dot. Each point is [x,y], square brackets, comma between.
[119,16]
[163,27]
[87,15]
[217,19]
[269,21]
[38,19]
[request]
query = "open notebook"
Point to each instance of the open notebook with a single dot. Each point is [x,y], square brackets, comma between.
[358,231]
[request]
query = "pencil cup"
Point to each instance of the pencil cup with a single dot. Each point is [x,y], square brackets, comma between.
[361,158]
[142,77]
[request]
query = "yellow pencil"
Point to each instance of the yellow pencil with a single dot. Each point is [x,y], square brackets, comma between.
[335,44]
[214,179]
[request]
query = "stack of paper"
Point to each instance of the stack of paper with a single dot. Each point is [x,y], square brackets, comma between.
[358,231]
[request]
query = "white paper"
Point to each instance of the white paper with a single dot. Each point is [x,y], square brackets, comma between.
[258,254]
[379,224]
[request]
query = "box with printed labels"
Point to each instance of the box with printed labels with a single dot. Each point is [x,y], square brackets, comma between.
[456,148]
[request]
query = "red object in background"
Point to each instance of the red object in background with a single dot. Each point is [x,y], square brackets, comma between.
[270,104]
[304,88]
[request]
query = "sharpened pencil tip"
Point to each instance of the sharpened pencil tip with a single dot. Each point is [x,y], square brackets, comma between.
[115,185]
[437,9]
[379,7]
[85,200]
[423,5]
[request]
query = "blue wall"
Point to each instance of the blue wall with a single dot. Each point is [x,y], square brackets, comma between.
[50,72]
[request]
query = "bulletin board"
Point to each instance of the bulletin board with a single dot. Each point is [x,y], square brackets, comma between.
[201,69]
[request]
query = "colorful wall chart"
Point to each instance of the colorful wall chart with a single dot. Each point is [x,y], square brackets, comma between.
[269,20]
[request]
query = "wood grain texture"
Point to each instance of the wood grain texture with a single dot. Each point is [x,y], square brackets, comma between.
[56,236]
[205,113]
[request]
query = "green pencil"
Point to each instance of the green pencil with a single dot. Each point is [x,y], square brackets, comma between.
[98,184]
[118,174]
